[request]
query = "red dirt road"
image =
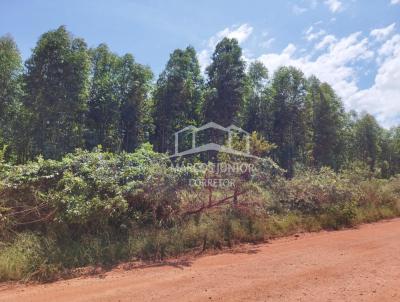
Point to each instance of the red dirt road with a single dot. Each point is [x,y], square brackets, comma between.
[351,265]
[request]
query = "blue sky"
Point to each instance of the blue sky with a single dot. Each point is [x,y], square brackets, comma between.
[352,44]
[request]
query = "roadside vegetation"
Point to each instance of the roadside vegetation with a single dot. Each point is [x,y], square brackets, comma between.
[99,208]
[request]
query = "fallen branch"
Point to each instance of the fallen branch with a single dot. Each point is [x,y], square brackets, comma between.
[213,204]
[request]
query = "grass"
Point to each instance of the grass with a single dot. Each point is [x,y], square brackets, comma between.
[33,257]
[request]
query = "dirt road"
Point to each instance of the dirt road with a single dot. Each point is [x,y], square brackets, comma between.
[351,265]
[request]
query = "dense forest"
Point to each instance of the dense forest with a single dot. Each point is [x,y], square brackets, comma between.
[69,96]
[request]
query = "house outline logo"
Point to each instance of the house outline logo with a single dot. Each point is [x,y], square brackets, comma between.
[213,146]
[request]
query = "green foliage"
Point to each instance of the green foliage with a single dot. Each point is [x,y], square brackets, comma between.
[226,87]
[134,84]
[24,258]
[70,96]
[99,208]
[12,126]
[89,192]
[104,101]
[178,96]
[288,116]
[327,124]
[256,116]
[340,215]
[313,192]
[11,68]
[57,85]
[367,133]
[338,199]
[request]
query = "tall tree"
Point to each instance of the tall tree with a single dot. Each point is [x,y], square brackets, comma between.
[134,82]
[226,87]
[255,117]
[118,117]
[388,156]
[14,118]
[288,117]
[178,96]
[367,138]
[57,85]
[388,162]
[393,156]
[10,71]
[103,118]
[327,124]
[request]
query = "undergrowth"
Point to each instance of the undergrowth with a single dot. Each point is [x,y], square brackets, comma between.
[99,209]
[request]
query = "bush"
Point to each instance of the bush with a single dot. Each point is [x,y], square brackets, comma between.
[99,208]
[89,192]
[339,215]
[313,192]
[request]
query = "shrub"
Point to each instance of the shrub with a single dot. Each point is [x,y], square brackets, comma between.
[312,192]
[89,192]
[99,208]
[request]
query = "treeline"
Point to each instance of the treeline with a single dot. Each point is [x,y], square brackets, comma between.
[69,96]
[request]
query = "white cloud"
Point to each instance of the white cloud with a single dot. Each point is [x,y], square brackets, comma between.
[383,98]
[336,66]
[337,62]
[290,49]
[334,5]
[395,2]
[305,5]
[332,66]
[204,58]
[267,43]
[240,33]
[382,33]
[298,10]
[390,47]
[312,34]
[326,41]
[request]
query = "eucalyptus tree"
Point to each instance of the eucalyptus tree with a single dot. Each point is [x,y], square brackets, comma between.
[57,91]
[134,88]
[178,96]
[10,97]
[327,125]
[256,113]
[226,86]
[103,116]
[367,140]
[288,114]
